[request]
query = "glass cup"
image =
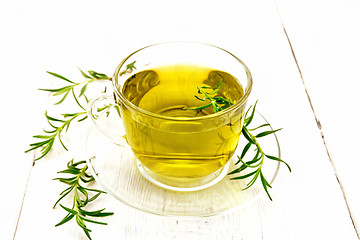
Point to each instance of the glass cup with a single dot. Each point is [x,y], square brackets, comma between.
[179,151]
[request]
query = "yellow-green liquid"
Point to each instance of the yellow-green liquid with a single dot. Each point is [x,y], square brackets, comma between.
[177,147]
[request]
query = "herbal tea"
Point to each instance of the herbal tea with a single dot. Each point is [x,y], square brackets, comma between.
[171,146]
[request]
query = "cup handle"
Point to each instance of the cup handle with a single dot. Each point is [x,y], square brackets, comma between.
[105,114]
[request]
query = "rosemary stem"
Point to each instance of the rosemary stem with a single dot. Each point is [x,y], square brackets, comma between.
[257,144]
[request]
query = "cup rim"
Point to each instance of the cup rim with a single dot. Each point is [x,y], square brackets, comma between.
[238,104]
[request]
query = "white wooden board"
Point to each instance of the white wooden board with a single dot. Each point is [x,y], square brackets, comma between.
[41,35]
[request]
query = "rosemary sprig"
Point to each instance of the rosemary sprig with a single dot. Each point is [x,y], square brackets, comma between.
[64,91]
[129,68]
[80,196]
[48,138]
[258,160]
[90,77]
[218,103]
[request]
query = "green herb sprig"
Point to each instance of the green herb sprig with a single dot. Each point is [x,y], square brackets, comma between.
[90,77]
[64,91]
[258,160]
[129,68]
[80,196]
[58,126]
[48,138]
[219,103]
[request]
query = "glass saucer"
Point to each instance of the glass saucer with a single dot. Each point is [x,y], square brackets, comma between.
[116,169]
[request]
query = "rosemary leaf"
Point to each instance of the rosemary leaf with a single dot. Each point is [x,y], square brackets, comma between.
[263,125]
[246,148]
[65,219]
[84,74]
[248,120]
[244,176]
[69,210]
[279,160]
[266,133]
[59,76]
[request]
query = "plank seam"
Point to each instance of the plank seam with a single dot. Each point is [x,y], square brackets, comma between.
[23,198]
[320,128]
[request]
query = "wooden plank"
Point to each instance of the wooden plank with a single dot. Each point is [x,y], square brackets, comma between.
[23,59]
[326,45]
[252,31]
